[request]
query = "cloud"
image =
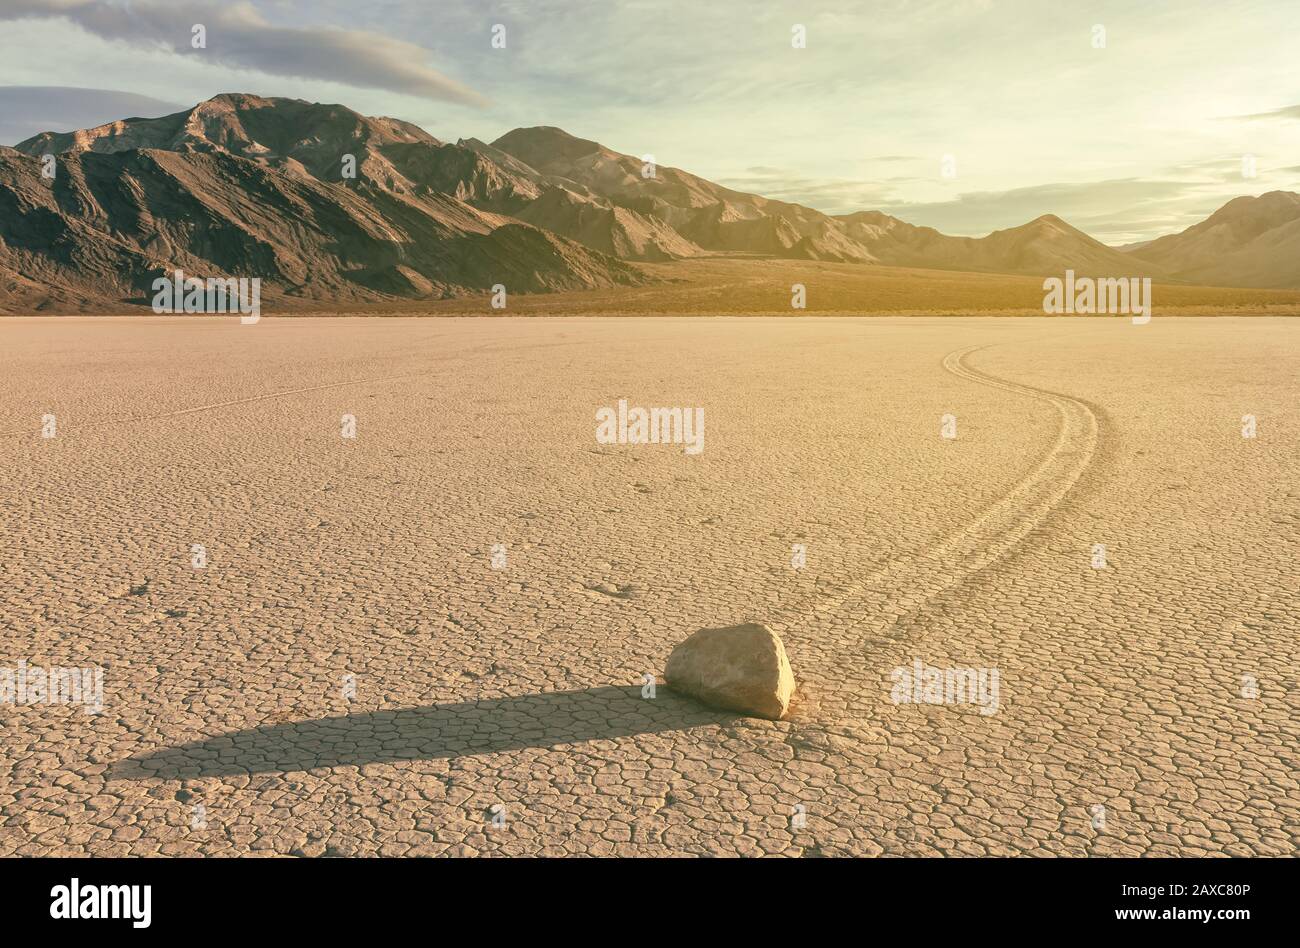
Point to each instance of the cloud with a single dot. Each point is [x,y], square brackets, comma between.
[831,196]
[978,210]
[1118,210]
[238,36]
[1114,210]
[29,110]
[1290,112]
[1110,210]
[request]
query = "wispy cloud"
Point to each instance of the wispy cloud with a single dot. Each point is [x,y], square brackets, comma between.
[835,196]
[237,35]
[1291,112]
[1115,210]
[28,110]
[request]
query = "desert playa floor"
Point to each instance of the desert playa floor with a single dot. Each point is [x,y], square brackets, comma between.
[348,673]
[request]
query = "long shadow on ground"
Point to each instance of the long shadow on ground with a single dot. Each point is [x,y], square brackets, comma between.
[436,731]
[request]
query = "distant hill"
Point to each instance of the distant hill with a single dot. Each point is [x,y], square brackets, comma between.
[1250,241]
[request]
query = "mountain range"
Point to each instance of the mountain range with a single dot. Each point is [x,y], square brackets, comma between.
[326,204]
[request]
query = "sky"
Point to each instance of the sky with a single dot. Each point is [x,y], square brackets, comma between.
[1129,120]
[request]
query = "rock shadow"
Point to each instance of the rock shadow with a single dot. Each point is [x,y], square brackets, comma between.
[545,720]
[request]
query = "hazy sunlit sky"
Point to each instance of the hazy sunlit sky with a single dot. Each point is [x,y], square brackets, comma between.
[1139,138]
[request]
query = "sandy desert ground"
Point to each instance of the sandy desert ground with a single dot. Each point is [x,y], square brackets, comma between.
[1148,707]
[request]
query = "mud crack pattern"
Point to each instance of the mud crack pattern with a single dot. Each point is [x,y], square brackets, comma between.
[349,673]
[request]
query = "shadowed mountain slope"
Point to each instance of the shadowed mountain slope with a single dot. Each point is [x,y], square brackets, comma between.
[1250,241]
[245,186]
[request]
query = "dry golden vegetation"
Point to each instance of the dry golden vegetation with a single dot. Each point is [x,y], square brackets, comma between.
[760,286]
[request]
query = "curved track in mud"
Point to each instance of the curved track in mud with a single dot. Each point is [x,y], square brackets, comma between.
[890,595]
[1001,526]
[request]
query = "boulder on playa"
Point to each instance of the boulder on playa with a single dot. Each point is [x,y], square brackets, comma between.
[741,668]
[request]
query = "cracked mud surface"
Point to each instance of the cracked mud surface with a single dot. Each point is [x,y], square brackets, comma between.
[500,710]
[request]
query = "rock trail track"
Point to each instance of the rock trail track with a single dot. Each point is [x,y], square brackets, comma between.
[890,596]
